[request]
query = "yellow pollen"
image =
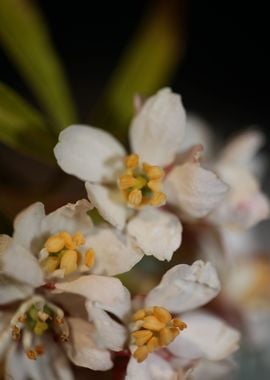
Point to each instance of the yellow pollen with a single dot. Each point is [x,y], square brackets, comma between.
[156,328]
[89,258]
[31,354]
[141,183]
[63,253]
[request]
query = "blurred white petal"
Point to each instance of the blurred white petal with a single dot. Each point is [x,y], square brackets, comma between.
[152,368]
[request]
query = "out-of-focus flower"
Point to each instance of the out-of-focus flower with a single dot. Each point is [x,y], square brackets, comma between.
[169,337]
[127,190]
[237,165]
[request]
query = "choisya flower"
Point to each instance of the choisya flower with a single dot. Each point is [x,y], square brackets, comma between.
[237,165]
[127,190]
[168,337]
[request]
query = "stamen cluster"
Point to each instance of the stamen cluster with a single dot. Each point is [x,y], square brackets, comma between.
[155,328]
[141,183]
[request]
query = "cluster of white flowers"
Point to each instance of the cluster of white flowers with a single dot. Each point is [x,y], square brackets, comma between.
[59,297]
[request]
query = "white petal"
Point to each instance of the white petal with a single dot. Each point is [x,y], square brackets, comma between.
[206,337]
[242,149]
[18,263]
[113,253]
[185,287]
[105,292]
[110,334]
[156,232]
[89,153]
[5,336]
[82,349]
[107,204]
[27,226]
[244,205]
[158,128]
[11,290]
[152,368]
[72,217]
[194,190]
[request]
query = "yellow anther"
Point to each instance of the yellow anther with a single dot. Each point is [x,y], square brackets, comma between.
[158,199]
[140,314]
[39,349]
[55,243]
[132,161]
[69,261]
[180,324]
[16,333]
[22,318]
[153,172]
[162,314]
[31,354]
[152,323]
[141,354]
[63,337]
[69,243]
[126,181]
[89,258]
[135,197]
[50,264]
[165,336]
[152,344]
[142,336]
[154,185]
[140,182]
[175,331]
[78,239]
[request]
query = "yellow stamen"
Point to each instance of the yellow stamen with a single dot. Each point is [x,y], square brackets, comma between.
[153,172]
[135,197]
[69,243]
[55,243]
[132,161]
[69,261]
[154,185]
[89,258]
[158,199]
[141,354]
[50,264]
[16,333]
[78,239]
[31,354]
[126,182]
[155,328]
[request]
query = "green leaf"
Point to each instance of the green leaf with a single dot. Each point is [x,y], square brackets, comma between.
[26,40]
[23,128]
[148,63]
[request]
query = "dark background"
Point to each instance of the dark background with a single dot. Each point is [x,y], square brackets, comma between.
[224,75]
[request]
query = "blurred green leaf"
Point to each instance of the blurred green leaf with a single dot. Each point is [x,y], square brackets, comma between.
[24,128]
[148,63]
[25,37]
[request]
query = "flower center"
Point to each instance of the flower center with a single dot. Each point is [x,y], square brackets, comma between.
[33,319]
[63,253]
[154,328]
[141,183]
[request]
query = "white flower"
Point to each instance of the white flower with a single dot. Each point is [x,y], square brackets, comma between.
[120,187]
[62,244]
[237,165]
[166,344]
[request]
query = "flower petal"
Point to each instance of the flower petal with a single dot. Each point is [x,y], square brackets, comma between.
[105,292]
[5,336]
[110,334]
[72,217]
[156,232]
[244,205]
[157,129]
[152,368]
[27,225]
[206,337]
[11,290]
[185,287]
[107,204]
[242,149]
[89,153]
[82,349]
[113,253]
[210,370]
[18,263]
[194,190]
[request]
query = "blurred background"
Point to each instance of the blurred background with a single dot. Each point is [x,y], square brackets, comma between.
[66,62]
